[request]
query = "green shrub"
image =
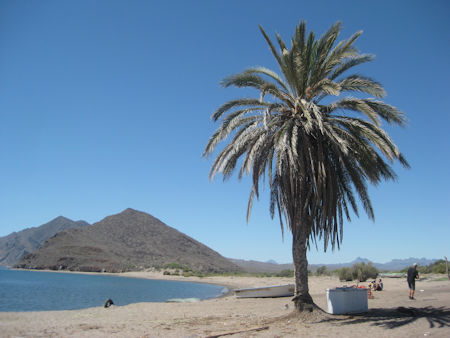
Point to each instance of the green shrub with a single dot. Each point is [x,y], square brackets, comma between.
[436,267]
[361,271]
[285,273]
[364,271]
[175,266]
[282,273]
[194,274]
[321,271]
[345,274]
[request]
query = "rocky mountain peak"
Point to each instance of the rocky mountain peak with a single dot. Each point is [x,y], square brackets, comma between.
[130,240]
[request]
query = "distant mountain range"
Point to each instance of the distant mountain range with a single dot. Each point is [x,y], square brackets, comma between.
[272,267]
[17,244]
[129,241]
[393,265]
[256,266]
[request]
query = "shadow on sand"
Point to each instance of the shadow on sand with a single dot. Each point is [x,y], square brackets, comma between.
[396,317]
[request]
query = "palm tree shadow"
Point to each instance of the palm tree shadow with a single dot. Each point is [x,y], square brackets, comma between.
[396,317]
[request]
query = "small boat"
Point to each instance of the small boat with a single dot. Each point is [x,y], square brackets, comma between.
[266,291]
[393,275]
[183,300]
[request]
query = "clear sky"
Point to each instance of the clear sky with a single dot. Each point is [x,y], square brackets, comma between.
[106,105]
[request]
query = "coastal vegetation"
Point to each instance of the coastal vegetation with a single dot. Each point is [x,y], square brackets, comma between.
[361,272]
[357,272]
[438,267]
[316,146]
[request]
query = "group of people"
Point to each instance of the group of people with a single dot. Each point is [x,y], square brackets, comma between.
[376,285]
[412,275]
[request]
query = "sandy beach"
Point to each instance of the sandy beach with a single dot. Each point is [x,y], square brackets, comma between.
[391,314]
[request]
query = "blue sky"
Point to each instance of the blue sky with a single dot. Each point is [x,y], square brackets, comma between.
[106,105]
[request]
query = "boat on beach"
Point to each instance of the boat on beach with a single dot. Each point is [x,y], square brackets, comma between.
[273,291]
[183,300]
[392,274]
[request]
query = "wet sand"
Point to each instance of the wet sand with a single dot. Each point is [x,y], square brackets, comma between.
[391,314]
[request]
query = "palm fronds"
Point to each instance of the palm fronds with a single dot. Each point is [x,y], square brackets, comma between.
[316,158]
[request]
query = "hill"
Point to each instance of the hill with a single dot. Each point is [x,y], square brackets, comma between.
[399,264]
[272,267]
[261,267]
[393,265]
[131,240]
[17,244]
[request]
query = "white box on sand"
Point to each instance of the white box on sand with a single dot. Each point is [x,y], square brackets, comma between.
[346,300]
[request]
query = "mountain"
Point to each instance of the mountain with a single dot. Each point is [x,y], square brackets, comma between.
[131,240]
[359,260]
[270,267]
[399,264]
[393,265]
[17,244]
[272,261]
[260,267]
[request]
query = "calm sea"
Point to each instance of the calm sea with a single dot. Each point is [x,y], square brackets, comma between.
[44,291]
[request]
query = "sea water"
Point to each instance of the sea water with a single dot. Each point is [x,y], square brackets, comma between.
[23,290]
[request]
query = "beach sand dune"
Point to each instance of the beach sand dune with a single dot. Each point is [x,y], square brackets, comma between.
[391,314]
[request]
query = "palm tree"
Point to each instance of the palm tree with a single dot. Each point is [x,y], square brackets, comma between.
[317,147]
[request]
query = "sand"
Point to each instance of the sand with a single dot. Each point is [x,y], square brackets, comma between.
[391,314]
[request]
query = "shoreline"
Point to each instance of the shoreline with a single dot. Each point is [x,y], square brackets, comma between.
[149,275]
[256,317]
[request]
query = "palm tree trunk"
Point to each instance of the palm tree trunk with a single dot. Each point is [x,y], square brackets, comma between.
[299,247]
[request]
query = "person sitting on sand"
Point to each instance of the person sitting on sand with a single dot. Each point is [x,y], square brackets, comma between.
[379,285]
[412,275]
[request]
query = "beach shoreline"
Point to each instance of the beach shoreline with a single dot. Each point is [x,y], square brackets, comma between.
[255,317]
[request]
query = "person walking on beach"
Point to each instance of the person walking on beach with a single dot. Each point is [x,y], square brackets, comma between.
[413,274]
